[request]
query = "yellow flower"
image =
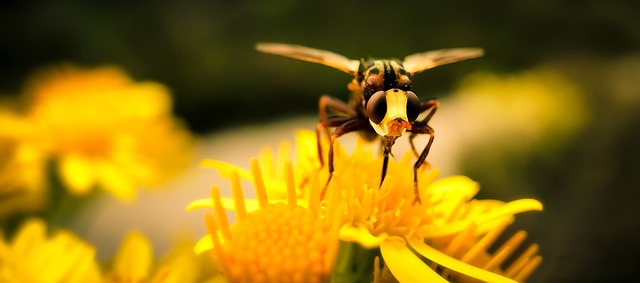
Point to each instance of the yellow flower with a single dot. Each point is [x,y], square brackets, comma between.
[385,217]
[277,242]
[444,237]
[34,257]
[134,263]
[22,168]
[538,109]
[105,130]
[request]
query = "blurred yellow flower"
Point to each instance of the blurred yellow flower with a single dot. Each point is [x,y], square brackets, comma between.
[105,130]
[445,237]
[134,263]
[34,257]
[538,108]
[22,168]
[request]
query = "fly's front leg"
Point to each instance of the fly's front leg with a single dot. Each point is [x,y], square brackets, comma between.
[424,106]
[420,128]
[352,125]
[385,164]
[326,124]
[326,104]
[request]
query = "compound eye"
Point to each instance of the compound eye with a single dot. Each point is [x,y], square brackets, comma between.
[413,106]
[377,107]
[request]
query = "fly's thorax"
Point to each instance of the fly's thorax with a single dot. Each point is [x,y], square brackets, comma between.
[377,75]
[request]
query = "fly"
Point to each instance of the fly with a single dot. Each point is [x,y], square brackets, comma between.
[383,104]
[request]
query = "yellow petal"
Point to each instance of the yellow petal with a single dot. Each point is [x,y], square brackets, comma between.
[204,244]
[134,259]
[86,271]
[511,208]
[404,264]
[180,266]
[30,237]
[77,173]
[63,257]
[251,204]
[226,169]
[360,235]
[115,181]
[199,204]
[227,203]
[456,186]
[456,265]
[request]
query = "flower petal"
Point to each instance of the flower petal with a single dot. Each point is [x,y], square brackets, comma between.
[204,244]
[31,235]
[115,181]
[77,173]
[360,235]
[456,186]
[511,208]
[134,259]
[251,204]
[179,266]
[199,204]
[404,264]
[456,265]
[227,169]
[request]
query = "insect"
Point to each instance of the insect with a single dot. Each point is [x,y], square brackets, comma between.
[382,105]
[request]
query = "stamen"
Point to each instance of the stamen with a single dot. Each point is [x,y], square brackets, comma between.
[455,210]
[522,261]
[314,194]
[258,184]
[530,268]
[267,164]
[376,270]
[484,243]
[506,249]
[238,196]
[284,156]
[291,188]
[221,215]
[457,242]
[217,246]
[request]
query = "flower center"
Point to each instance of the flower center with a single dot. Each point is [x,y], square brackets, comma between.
[279,243]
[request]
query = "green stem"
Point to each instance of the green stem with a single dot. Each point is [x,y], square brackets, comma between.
[354,263]
[67,210]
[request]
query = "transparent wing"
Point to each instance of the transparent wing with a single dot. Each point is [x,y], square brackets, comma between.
[426,60]
[323,57]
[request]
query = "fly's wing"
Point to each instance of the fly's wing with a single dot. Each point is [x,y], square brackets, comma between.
[323,57]
[426,60]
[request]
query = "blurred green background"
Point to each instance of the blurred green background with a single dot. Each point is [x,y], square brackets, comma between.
[204,51]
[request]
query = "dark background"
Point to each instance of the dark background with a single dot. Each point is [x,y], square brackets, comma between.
[203,50]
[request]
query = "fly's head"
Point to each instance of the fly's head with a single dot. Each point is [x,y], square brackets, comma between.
[389,102]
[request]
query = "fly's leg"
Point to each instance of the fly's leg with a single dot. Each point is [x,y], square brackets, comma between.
[385,164]
[326,104]
[424,106]
[420,128]
[325,125]
[349,126]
